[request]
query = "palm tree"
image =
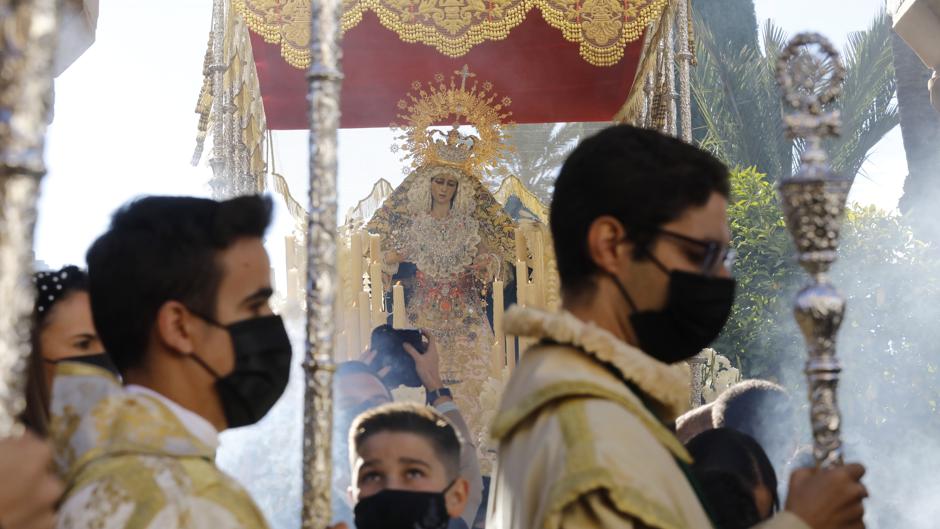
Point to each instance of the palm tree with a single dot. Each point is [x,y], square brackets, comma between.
[537,152]
[735,22]
[741,106]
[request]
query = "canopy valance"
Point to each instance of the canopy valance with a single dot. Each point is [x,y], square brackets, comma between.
[600,28]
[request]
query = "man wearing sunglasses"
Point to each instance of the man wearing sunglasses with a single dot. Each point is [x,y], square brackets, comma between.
[642,243]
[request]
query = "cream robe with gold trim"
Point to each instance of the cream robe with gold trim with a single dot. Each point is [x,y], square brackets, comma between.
[578,448]
[129,463]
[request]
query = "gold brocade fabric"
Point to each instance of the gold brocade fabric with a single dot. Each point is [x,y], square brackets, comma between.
[570,431]
[129,463]
[603,28]
[243,120]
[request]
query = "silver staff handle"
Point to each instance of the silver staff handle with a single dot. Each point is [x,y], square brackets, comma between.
[813,202]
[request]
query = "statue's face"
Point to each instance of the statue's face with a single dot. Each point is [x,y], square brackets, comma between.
[443,189]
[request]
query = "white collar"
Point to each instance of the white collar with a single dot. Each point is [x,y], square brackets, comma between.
[197,426]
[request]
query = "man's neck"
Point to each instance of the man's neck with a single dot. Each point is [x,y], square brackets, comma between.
[176,383]
[604,311]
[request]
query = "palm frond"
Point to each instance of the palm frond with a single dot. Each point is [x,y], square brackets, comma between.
[742,111]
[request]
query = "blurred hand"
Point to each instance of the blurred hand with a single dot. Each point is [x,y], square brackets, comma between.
[428,365]
[828,498]
[341,525]
[29,489]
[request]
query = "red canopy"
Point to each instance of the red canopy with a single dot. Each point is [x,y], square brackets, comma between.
[541,72]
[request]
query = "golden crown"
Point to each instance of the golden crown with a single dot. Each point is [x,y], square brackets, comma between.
[457,103]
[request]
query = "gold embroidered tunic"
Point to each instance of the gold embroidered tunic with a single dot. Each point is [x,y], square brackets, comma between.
[129,462]
[578,448]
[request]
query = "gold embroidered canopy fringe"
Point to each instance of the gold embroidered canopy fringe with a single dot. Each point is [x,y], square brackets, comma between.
[602,28]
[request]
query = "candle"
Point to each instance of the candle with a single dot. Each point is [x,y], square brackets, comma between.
[365,321]
[290,252]
[399,318]
[532,296]
[521,252]
[378,294]
[496,359]
[293,287]
[351,327]
[375,248]
[355,261]
[538,273]
[342,343]
[522,282]
[499,348]
[498,307]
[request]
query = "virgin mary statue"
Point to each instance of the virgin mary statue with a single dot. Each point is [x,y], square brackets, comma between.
[443,224]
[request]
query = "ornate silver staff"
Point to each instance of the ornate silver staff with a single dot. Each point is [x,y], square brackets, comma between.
[27,44]
[813,202]
[325,79]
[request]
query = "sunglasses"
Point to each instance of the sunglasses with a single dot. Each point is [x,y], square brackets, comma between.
[715,254]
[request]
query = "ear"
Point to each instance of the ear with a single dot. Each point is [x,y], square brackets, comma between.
[175,327]
[457,496]
[350,495]
[607,244]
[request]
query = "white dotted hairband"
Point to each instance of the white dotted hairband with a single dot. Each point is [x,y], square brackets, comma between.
[53,285]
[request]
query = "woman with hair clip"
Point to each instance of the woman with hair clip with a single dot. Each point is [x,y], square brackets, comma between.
[62,330]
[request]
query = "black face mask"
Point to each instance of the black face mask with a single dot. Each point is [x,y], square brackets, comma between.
[403,509]
[262,368]
[697,308]
[101,360]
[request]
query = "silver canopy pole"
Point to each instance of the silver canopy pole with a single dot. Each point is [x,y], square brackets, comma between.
[27,44]
[325,78]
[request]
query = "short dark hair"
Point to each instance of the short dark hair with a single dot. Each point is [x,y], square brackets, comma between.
[640,177]
[159,249]
[736,453]
[410,417]
[731,504]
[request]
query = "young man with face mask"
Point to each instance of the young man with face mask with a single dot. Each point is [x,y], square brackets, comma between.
[641,238]
[179,292]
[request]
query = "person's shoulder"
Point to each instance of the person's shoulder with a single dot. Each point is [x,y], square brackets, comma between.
[592,445]
[551,372]
[136,491]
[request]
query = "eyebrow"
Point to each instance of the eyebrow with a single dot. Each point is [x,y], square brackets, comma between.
[85,336]
[413,461]
[262,294]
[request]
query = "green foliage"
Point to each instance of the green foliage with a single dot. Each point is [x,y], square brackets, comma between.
[736,92]
[890,340]
[764,270]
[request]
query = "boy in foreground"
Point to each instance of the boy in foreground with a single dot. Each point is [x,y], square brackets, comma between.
[406,469]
